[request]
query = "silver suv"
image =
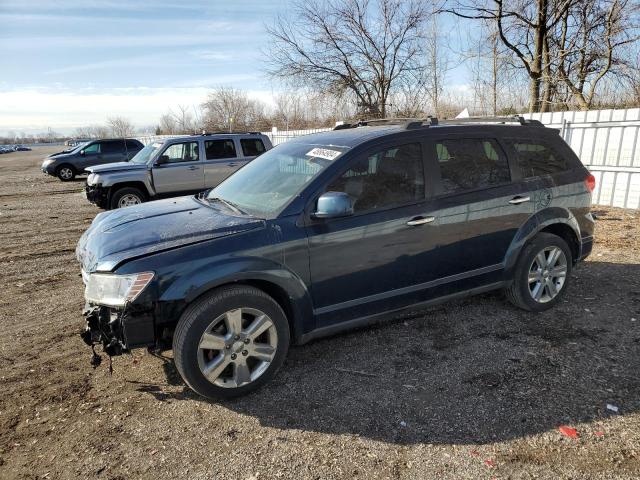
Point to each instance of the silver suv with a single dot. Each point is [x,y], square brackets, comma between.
[173,167]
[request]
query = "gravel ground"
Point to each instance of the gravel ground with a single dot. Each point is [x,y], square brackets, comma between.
[470,389]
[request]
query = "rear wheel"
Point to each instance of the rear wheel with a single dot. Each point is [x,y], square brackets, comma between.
[66,173]
[231,342]
[126,197]
[541,274]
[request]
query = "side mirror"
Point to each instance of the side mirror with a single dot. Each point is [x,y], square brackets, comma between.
[333,205]
[162,160]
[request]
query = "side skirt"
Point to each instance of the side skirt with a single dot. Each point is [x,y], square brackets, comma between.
[378,317]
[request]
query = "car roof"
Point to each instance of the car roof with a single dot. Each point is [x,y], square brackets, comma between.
[351,137]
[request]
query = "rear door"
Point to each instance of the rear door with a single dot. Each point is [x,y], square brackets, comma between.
[221,160]
[113,151]
[181,170]
[480,205]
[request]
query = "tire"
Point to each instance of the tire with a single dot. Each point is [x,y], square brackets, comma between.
[66,173]
[524,289]
[127,196]
[231,356]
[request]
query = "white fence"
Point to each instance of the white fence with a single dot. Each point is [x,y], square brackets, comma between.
[607,143]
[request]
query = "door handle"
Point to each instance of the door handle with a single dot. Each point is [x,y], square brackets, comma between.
[231,164]
[193,167]
[420,221]
[518,199]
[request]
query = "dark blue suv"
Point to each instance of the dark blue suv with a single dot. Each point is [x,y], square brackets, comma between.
[332,231]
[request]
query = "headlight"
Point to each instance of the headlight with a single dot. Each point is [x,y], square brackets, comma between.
[48,161]
[115,290]
[91,179]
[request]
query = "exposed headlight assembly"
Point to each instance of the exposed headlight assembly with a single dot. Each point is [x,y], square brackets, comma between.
[115,290]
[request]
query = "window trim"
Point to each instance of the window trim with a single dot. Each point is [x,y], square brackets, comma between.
[438,187]
[428,186]
[221,159]
[169,164]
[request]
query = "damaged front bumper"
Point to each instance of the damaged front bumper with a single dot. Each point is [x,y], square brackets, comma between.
[117,330]
[97,195]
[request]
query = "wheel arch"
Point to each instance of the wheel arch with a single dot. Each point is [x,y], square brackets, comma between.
[70,165]
[558,221]
[282,285]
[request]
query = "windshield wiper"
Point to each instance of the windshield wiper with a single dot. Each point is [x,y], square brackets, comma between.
[229,204]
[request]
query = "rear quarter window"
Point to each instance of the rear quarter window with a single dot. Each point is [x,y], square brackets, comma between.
[252,147]
[538,157]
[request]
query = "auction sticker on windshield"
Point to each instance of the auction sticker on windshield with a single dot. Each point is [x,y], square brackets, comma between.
[325,153]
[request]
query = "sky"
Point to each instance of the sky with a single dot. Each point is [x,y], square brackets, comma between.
[71,63]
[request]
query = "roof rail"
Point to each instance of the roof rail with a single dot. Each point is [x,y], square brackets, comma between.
[503,120]
[413,123]
[225,133]
[374,122]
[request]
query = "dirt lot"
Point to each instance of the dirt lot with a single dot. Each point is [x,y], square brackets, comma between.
[471,389]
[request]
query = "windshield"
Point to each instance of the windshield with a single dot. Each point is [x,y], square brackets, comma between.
[144,155]
[267,184]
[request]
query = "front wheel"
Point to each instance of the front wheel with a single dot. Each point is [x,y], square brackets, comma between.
[231,342]
[541,274]
[126,197]
[65,173]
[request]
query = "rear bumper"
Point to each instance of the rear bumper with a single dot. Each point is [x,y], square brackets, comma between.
[97,195]
[586,247]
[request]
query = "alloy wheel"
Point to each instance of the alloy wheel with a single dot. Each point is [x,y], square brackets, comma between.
[66,173]
[547,274]
[237,347]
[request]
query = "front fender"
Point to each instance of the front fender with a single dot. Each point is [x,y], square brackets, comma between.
[115,178]
[190,285]
[536,223]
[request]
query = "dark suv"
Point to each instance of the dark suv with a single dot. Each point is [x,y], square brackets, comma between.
[336,230]
[69,163]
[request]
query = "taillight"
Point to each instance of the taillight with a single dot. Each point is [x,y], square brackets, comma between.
[590,182]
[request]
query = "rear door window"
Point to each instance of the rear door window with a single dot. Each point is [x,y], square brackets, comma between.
[393,176]
[252,147]
[113,147]
[216,149]
[181,152]
[536,158]
[471,163]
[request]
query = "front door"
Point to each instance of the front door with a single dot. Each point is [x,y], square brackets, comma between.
[90,155]
[179,170]
[478,206]
[380,257]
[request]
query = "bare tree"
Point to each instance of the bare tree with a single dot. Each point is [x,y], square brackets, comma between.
[359,46]
[522,27]
[230,109]
[120,127]
[590,40]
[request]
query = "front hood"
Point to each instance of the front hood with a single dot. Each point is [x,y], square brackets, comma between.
[130,232]
[112,167]
[58,155]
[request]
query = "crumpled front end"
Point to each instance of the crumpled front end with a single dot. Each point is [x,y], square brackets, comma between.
[117,330]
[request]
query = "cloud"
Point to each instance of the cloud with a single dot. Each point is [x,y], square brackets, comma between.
[36,109]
